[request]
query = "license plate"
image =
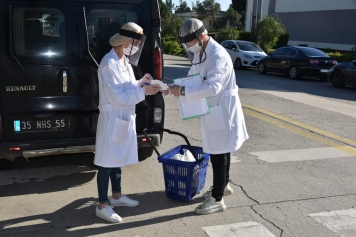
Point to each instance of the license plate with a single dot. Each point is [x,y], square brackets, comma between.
[324,70]
[42,125]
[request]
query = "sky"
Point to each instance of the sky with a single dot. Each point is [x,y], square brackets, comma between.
[224,4]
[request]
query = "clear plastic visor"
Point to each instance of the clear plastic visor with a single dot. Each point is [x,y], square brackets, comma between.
[135,50]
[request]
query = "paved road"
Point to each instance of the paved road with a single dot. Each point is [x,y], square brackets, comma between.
[295,176]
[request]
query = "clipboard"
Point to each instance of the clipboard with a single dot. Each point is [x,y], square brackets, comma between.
[191,108]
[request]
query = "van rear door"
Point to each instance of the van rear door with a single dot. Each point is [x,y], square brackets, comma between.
[40,81]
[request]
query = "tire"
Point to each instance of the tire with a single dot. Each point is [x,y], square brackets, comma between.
[144,153]
[5,164]
[293,73]
[337,79]
[261,68]
[238,64]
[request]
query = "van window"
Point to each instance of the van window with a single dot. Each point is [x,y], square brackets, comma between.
[39,32]
[45,34]
[104,23]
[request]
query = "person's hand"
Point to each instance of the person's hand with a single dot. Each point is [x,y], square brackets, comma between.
[152,89]
[146,79]
[174,90]
[166,92]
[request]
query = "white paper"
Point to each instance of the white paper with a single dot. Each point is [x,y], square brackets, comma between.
[163,86]
[191,108]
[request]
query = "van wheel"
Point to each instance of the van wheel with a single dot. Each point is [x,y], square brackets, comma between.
[144,153]
[5,164]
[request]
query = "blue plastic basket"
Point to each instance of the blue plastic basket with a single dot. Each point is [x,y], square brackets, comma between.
[183,180]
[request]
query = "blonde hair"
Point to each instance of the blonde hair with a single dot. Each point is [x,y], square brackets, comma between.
[118,39]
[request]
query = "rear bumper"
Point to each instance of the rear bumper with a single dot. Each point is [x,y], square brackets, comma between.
[313,72]
[39,148]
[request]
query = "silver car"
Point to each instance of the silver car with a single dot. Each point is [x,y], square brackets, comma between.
[243,53]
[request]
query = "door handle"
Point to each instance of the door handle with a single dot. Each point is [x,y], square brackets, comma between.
[65,81]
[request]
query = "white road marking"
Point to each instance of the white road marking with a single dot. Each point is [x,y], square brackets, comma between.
[243,229]
[312,100]
[233,158]
[342,222]
[301,154]
[37,174]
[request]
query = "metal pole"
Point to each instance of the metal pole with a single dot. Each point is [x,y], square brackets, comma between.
[261,9]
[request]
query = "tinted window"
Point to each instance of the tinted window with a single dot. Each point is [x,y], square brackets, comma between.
[249,47]
[224,44]
[104,23]
[279,51]
[313,52]
[290,52]
[45,34]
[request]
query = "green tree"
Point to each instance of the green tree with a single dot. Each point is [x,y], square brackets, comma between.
[183,7]
[227,33]
[266,32]
[208,8]
[233,16]
[240,7]
[170,23]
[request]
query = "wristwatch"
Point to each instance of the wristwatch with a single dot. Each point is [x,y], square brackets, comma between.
[182,90]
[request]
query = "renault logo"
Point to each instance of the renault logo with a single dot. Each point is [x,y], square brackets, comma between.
[21,88]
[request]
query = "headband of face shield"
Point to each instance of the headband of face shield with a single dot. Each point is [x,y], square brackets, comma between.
[133,52]
[190,50]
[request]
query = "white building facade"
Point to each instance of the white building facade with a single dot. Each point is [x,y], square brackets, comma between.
[317,23]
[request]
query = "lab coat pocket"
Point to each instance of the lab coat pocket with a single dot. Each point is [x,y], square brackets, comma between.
[121,130]
[215,120]
[232,105]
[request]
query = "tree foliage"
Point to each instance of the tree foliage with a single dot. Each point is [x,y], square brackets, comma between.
[183,7]
[208,8]
[266,32]
[233,16]
[227,33]
[170,23]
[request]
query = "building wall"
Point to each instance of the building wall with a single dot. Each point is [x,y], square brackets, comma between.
[317,23]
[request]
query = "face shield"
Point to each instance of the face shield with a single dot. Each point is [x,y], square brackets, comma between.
[133,51]
[192,46]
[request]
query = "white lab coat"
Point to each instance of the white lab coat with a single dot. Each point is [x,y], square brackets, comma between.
[119,92]
[224,129]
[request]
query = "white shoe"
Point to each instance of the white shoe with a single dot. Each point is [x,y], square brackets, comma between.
[108,214]
[227,191]
[124,201]
[209,206]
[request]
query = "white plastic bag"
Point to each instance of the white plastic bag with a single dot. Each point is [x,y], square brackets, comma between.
[186,157]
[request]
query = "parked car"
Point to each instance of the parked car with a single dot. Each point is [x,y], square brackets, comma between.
[297,61]
[343,74]
[49,54]
[243,53]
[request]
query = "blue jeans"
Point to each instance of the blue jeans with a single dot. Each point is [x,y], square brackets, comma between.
[103,182]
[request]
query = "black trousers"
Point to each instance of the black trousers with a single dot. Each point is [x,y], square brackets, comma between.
[221,168]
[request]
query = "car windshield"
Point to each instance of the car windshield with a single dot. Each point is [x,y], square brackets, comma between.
[249,46]
[313,52]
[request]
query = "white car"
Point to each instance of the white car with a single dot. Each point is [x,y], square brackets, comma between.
[243,53]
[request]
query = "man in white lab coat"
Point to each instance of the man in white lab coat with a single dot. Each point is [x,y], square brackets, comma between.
[223,130]
[116,141]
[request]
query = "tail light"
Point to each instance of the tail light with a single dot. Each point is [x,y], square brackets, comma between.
[158,63]
[334,62]
[313,61]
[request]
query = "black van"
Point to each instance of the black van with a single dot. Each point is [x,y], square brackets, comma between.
[49,57]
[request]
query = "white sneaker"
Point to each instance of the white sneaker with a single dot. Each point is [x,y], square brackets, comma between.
[209,206]
[108,214]
[124,201]
[227,191]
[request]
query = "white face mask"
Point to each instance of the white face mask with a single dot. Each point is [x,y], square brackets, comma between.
[195,48]
[129,51]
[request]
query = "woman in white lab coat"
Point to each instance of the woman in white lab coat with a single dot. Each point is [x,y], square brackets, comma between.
[119,92]
[223,130]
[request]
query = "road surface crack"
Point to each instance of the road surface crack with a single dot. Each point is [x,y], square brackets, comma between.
[280,229]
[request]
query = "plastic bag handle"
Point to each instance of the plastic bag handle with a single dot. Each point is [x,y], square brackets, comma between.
[170,132]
